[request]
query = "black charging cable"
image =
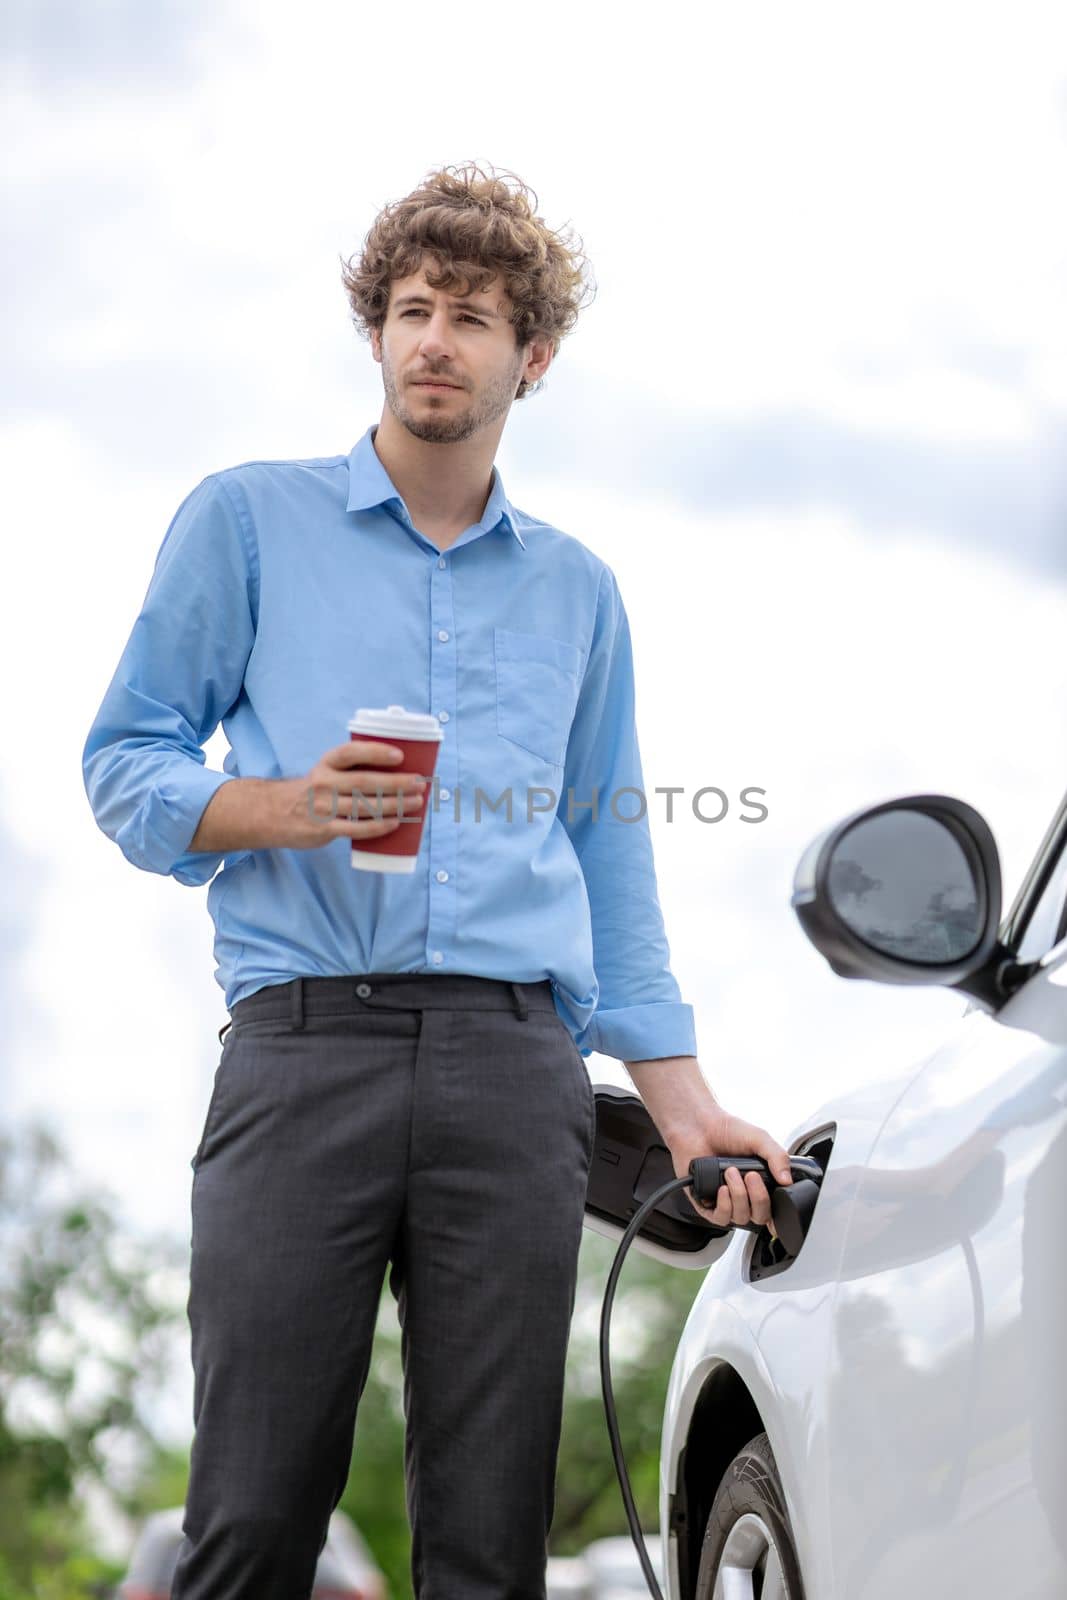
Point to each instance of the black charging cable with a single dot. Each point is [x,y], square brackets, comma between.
[706,1175]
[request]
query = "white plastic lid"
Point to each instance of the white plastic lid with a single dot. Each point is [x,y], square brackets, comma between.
[394,722]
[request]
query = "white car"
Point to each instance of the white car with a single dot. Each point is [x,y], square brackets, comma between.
[346,1569]
[607,1569]
[873,1405]
[614,1569]
[566,1578]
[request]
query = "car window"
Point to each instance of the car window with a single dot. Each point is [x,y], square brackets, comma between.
[1046,926]
[1034,921]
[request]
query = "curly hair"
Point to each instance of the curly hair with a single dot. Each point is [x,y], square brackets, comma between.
[476,226]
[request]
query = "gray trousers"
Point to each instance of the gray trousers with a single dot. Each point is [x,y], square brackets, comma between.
[439,1123]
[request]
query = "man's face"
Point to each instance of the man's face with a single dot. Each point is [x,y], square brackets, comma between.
[464,341]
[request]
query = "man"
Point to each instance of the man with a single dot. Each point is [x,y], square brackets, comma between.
[404,1081]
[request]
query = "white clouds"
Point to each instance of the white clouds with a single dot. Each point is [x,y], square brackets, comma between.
[797,654]
[830,213]
[922,399]
[846,183]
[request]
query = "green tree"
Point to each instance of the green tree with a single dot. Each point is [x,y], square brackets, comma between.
[652,1301]
[86,1332]
[374,1495]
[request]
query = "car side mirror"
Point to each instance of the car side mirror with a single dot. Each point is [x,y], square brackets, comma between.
[908,892]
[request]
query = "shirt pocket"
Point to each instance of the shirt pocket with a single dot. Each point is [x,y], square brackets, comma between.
[537,683]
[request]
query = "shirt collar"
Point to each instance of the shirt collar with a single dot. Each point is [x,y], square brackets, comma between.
[370,485]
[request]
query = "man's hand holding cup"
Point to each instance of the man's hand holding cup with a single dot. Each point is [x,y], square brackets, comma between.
[354,791]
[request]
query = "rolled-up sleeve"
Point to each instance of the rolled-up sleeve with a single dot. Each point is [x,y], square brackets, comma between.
[180,673]
[640,1014]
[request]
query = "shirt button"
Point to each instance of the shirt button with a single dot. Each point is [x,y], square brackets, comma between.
[437,958]
[446,794]
[442,876]
[442,716]
[442,635]
[441,562]
[363,990]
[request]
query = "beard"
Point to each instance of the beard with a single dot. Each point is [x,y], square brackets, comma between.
[450,421]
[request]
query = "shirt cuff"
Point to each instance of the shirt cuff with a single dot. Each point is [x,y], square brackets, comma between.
[173,817]
[643,1033]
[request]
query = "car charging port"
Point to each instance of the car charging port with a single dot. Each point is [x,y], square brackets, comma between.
[792,1209]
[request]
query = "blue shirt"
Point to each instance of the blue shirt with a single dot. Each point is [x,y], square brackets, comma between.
[288,593]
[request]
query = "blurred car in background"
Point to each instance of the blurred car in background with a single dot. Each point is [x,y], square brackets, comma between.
[614,1571]
[346,1569]
[567,1578]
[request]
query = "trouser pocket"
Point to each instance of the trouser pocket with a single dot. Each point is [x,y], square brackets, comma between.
[222,1074]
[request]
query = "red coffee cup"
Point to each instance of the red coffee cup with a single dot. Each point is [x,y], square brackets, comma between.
[419,737]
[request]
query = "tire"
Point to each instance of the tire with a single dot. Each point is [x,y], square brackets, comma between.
[749,1552]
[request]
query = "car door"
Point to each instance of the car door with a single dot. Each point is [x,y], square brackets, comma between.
[947,1392]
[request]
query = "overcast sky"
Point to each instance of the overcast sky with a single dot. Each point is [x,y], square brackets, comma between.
[813,420]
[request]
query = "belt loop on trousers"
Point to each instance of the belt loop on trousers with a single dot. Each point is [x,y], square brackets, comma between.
[521,1008]
[296,992]
[224,1030]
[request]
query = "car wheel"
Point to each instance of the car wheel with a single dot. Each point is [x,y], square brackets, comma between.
[749,1552]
